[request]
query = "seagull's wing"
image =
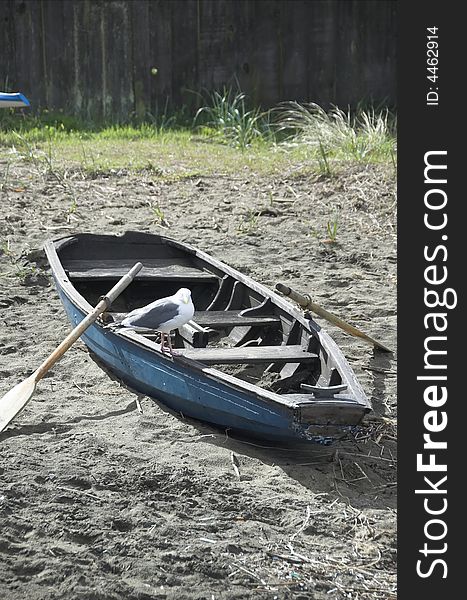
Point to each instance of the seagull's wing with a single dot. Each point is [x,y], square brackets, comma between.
[144,309]
[153,315]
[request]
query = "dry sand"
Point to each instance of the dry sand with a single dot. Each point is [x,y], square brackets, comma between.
[101,502]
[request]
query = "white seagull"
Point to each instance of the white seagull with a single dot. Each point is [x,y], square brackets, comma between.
[163,315]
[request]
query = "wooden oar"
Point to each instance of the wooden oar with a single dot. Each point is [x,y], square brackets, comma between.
[16,399]
[306,302]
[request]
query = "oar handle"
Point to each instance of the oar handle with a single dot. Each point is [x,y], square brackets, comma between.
[71,338]
[306,302]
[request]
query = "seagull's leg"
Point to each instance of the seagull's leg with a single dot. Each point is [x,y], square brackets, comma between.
[171,350]
[167,349]
[163,348]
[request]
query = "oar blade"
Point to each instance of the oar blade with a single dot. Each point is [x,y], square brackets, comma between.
[15,400]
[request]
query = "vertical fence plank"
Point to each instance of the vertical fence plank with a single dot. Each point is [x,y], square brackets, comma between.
[118,98]
[265,52]
[184,19]
[141,57]
[57,52]
[28,48]
[161,54]
[89,58]
[7,56]
[321,52]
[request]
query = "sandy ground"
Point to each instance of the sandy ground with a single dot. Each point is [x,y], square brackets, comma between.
[101,502]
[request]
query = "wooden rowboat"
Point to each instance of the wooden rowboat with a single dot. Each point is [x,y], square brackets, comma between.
[249,362]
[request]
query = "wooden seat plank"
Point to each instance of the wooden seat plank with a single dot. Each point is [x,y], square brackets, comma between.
[249,355]
[231,318]
[169,269]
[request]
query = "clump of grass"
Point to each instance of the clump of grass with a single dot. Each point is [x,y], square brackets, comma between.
[5,249]
[71,211]
[323,161]
[163,119]
[365,136]
[150,167]
[159,216]
[331,229]
[250,223]
[4,184]
[227,114]
[42,159]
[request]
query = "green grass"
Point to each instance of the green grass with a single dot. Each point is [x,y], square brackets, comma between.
[331,228]
[232,121]
[364,136]
[233,139]
[169,155]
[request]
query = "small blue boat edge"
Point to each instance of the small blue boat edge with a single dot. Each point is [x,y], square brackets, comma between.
[14,100]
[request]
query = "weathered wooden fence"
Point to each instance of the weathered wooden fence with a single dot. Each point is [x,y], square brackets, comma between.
[97,58]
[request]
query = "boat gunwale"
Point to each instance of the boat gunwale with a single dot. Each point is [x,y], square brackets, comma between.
[52,248]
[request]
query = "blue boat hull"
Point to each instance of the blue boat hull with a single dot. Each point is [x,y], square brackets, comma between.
[185,390]
[16,100]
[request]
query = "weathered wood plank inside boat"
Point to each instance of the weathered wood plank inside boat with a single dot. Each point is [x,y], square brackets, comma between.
[221,318]
[153,268]
[232,318]
[250,355]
